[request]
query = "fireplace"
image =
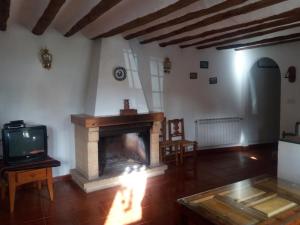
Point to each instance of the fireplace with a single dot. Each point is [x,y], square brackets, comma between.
[107,146]
[123,147]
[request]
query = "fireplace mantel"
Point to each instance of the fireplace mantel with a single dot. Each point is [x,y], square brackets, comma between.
[88,121]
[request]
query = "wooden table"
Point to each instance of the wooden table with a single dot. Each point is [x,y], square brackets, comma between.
[261,200]
[16,175]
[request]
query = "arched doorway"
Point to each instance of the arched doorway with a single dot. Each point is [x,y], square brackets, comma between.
[263,102]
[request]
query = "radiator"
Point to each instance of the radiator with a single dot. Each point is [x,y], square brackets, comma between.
[219,132]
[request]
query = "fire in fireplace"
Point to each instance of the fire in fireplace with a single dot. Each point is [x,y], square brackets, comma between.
[123,146]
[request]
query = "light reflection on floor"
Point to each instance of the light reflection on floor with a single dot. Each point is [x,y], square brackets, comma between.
[126,207]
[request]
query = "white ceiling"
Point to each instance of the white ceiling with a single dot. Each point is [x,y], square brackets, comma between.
[27,13]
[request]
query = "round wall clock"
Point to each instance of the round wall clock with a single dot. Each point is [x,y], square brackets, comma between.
[120,73]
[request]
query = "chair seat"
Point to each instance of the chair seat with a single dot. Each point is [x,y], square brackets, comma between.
[165,144]
[184,143]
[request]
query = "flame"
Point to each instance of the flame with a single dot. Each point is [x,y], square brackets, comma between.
[126,207]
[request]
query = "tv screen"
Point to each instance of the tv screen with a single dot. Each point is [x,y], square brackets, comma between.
[24,144]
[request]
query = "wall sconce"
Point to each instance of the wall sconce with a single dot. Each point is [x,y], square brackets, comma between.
[291,74]
[46,58]
[167,65]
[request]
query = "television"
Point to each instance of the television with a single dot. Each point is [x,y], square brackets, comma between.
[24,143]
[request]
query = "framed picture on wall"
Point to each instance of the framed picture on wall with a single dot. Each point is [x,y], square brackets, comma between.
[213,80]
[204,64]
[193,76]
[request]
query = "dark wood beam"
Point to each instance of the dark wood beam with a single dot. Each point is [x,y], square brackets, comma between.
[193,15]
[4,13]
[252,29]
[260,42]
[97,11]
[147,19]
[48,16]
[257,34]
[268,44]
[216,18]
[295,11]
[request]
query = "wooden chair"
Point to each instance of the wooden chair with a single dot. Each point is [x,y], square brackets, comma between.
[167,148]
[177,137]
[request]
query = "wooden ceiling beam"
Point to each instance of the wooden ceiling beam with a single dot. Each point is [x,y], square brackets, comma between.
[97,11]
[216,18]
[230,28]
[263,41]
[268,44]
[4,13]
[190,16]
[147,18]
[48,16]
[263,26]
[261,33]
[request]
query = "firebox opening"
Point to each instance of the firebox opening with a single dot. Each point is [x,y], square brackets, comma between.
[121,147]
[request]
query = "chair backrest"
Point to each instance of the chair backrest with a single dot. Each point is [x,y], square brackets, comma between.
[163,130]
[176,129]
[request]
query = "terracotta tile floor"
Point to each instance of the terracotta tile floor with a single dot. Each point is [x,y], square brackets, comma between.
[73,207]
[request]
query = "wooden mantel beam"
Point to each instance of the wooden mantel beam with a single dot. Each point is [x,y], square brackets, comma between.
[89,121]
[278,39]
[276,23]
[4,13]
[147,18]
[252,35]
[48,16]
[190,16]
[286,14]
[216,18]
[102,7]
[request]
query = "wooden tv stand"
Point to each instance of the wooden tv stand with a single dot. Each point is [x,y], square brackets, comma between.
[21,174]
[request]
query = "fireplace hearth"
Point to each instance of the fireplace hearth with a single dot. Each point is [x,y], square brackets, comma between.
[107,146]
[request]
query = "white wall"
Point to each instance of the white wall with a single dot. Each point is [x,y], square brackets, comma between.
[196,99]
[115,52]
[31,93]
[285,56]
[192,99]
[288,164]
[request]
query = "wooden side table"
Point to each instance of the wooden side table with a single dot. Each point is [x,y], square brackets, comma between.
[20,174]
[17,178]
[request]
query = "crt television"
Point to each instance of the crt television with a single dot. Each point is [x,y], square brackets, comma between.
[24,144]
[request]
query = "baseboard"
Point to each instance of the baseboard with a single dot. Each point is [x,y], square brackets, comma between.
[219,150]
[238,148]
[66,177]
[263,145]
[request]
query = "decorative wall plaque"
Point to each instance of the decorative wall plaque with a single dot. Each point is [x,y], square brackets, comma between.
[120,73]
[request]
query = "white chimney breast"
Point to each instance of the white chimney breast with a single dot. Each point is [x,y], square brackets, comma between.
[110,93]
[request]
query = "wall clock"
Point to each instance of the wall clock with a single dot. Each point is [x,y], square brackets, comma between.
[120,73]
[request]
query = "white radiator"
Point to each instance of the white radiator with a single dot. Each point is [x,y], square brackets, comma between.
[217,133]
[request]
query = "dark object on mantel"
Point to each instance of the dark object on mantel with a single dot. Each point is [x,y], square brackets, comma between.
[48,162]
[89,121]
[127,110]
